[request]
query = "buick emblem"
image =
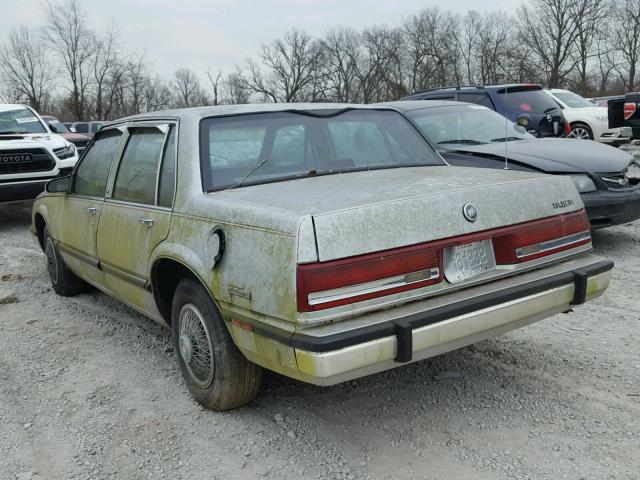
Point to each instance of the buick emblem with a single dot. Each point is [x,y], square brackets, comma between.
[470,212]
[549,118]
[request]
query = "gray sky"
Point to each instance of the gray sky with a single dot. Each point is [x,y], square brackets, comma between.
[199,34]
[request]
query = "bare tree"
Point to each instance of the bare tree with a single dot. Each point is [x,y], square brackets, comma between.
[548,28]
[189,92]
[342,55]
[68,35]
[157,95]
[467,43]
[109,71]
[430,44]
[494,43]
[627,40]
[216,85]
[235,90]
[590,15]
[289,68]
[25,67]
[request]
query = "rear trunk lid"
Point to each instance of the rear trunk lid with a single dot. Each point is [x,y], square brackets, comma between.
[372,211]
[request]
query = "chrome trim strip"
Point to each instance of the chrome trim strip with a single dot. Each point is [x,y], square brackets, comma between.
[342,293]
[136,280]
[552,244]
[94,262]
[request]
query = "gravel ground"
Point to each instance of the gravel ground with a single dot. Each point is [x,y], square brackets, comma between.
[89,389]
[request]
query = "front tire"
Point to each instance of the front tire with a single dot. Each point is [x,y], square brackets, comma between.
[63,280]
[218,376]
[581,131]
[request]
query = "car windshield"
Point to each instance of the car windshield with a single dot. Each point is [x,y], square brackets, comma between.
[269,147]
[19,120]
[450,127]
[573,100]
[527,99]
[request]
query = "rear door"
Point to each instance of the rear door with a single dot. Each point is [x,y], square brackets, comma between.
[77,227]
[137,211]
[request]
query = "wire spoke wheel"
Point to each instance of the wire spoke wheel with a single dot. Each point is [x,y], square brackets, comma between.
[52,260]
[196,348]
[580,133]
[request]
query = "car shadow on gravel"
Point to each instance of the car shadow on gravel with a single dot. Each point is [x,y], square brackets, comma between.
[15,215]
[611,241]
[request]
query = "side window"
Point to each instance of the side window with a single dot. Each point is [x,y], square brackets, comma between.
[95,127]
[168,172]
[82,127]
[136,177]
[477,98]
[90,177]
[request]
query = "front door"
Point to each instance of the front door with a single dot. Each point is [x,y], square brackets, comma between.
[136,214]
[77,228]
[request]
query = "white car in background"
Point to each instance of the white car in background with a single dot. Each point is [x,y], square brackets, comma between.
[30,154]
[587,121]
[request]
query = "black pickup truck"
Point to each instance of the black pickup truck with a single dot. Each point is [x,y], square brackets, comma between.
[624,111]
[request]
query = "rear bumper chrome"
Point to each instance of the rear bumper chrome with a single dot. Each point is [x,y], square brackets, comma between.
[330,355]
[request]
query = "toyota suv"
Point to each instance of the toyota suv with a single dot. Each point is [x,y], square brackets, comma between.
[525,104]
[30,154]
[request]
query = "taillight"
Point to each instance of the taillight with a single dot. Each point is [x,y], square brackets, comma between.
[542,237]
[567,128]
[340,282]
[629,110]
[329,284]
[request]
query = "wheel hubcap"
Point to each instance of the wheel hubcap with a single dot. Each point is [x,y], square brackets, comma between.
[196,348]
[52,261]
[580,133]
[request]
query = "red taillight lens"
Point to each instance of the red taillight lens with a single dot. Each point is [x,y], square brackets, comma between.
[539,232]
[567,128]
[328,276]
[340,282]
[629,110]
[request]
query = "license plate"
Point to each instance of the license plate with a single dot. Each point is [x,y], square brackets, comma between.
[463,262]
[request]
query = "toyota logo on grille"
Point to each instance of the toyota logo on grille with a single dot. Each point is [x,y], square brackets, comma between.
[470,212]
[16,158]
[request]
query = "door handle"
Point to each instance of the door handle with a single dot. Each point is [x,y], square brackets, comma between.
[92,210]
[147,221]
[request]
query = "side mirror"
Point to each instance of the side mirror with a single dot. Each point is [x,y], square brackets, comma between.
[72,129]
[59,185]
[53,128]
[524,121]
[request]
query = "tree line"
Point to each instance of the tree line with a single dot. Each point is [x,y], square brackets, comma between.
[590,46]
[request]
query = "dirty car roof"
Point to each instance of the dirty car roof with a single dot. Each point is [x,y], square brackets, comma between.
[223,110]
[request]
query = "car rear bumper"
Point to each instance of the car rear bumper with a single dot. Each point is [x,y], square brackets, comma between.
[608,208]
[346,350]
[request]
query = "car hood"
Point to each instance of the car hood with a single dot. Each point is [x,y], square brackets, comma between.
[556,155]
[31,140]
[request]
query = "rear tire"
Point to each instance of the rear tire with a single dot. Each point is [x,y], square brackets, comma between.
[218,376]
[63,280]
[581,131]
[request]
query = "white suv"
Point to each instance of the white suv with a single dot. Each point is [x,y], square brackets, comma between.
[587,120]
[30,154]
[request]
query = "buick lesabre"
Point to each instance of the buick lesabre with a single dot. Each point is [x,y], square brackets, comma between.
[323,242]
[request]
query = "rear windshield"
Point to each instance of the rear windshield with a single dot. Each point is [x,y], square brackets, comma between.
[269,147]
[528,100]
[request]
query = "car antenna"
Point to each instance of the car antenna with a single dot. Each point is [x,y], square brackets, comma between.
[506,132]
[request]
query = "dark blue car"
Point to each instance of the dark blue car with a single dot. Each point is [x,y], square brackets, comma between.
[525,104]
